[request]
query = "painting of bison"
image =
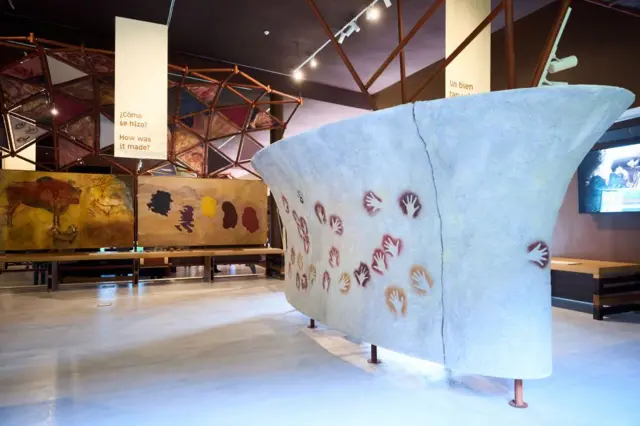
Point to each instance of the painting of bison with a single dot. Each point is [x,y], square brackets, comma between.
[65,210]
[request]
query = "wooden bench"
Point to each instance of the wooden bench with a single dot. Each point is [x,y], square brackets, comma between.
[604,288]
[208,255]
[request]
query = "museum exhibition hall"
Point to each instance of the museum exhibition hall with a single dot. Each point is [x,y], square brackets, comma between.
[320,212]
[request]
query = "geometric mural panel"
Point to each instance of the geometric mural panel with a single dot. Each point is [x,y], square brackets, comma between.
[193,158]
[197,123]
[82,89]
[184,140]
[262,120]
[249,147]
[4,136]
[222,127]
[26,69]
[236,114]
[229,97]
[217,120]
[101,63]
[82,130]
[62,72]
[75,58]
[24,132]
[37,109]
[106,131]
[68,152]
[107,93]
[183,102]
[68,107]
[229,146]
[16,91]
[217,161]
[205,93]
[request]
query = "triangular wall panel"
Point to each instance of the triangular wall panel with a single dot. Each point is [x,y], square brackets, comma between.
[62,72]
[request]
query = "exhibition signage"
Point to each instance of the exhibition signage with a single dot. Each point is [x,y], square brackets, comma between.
[141,90]
[470,72]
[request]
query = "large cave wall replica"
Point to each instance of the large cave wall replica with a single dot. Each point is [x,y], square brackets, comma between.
[424,228]
[179,211]
[47,211]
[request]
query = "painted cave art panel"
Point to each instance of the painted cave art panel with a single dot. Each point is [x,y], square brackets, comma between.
[45,211]
[180,211]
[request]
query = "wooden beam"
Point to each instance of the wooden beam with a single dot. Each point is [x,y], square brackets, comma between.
[403,71]
[423,19]
[548,45]
[343,56]
[510,52]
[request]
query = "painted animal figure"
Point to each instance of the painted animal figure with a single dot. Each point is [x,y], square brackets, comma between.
[46,193]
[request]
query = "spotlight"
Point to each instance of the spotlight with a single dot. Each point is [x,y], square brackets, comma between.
[341,37]
[298,75]
[351,28]
[387,3]
[373,13]
[558,65]
[313,63]
[54,111]
[267,32]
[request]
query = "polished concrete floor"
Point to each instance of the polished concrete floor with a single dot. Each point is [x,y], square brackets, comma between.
[235,353]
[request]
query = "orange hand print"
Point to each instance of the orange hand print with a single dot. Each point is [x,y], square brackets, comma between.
[396,299]
[312,275]
[345,283]
[421,279]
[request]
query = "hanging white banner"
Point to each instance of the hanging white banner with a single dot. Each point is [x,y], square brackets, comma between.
[140,129]
[470,72]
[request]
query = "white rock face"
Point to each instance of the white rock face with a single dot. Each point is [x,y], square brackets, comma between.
[424,228]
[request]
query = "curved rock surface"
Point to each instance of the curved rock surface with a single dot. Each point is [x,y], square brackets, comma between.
[424,228]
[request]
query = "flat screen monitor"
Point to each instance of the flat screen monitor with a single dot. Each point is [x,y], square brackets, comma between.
[609,180]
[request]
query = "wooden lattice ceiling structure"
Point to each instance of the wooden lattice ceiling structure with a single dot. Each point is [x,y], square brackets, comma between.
[61,97]
[505,6]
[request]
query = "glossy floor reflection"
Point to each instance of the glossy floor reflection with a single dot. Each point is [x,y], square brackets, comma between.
[235,353]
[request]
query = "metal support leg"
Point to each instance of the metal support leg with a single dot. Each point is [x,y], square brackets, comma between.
[312,323]
[55,276]
[374,355]
[207,269]
[597,305]
[518,400]
[136,272]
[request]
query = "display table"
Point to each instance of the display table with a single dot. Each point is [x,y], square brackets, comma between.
[209,256]
[603,288]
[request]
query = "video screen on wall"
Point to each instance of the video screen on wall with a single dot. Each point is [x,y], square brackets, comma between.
[609,180]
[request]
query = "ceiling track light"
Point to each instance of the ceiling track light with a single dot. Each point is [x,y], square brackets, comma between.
[372,14]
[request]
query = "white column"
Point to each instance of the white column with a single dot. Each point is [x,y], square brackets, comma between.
[470,72]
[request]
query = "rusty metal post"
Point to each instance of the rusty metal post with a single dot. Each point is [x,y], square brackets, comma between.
[374,355]
[510,52]
[518,398]
[403,72]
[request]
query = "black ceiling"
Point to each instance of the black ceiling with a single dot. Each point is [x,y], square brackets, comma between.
[232,30]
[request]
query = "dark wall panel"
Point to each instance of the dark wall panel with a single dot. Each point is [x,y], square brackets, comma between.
[604,236]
